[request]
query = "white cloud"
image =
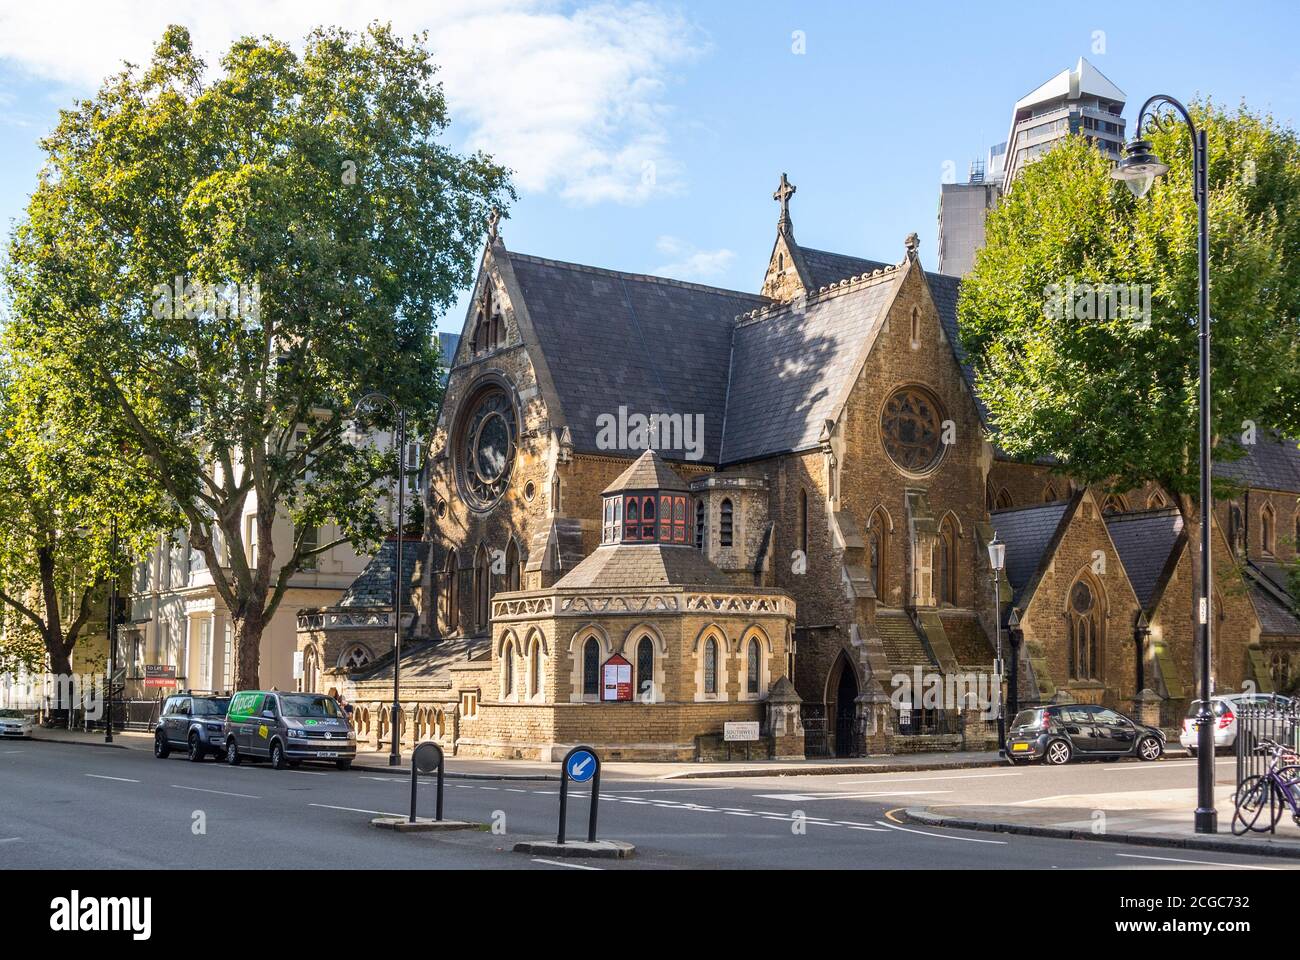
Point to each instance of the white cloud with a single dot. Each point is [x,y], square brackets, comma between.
[572,99]
[690,263]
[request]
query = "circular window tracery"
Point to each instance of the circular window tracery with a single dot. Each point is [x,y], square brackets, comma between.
[911,429]
[486,450]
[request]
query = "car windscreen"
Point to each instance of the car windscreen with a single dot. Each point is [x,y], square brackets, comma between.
[300,705]
[210,708]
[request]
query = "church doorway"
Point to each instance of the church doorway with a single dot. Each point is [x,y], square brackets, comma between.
[844,708]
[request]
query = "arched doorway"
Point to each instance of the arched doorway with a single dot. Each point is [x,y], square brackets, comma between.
[843,710]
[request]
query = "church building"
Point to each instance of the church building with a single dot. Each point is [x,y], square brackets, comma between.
[666,519]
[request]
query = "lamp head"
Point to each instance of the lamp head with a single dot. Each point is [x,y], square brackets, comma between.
[997,553]
[1139,168]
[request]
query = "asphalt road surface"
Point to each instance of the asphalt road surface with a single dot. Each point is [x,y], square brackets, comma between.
[72,806]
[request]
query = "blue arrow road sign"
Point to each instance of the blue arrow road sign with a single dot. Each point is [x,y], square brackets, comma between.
[581,766]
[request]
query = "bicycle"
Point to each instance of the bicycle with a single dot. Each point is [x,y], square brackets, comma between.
[1279,784]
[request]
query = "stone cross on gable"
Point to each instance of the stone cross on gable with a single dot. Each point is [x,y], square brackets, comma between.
[494,219]
[783,194]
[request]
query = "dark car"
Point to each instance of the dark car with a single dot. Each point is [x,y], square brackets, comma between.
[1059,734]
[191,723]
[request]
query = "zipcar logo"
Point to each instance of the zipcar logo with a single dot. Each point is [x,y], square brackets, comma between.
[104,914]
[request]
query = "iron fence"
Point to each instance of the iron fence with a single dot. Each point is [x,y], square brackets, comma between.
[1266,719]
[925,722]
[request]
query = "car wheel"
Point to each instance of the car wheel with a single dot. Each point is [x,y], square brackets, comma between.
[1191,752]
[232,753]
[196,748]
[278,761]
[1150,748]
[1057,753]
[160,746]
[343,764]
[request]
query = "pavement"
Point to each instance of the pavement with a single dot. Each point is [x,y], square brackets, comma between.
[67,805]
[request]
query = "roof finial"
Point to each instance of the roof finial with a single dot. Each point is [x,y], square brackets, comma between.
[912,243]
[783,194]
[493,221]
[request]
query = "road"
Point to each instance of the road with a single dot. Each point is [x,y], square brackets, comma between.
[72,806]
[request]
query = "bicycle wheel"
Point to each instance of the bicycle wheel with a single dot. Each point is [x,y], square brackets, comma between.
[1254,796]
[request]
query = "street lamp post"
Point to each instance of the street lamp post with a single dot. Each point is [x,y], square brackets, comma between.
[395,754]
[997,560]
[1138,170]
[112,631]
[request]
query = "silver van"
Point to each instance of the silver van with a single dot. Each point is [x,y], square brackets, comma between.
[288,728]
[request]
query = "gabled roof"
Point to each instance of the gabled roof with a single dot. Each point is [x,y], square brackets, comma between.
[647,472]
[1148,541]
[1031,535]
[1273,605]
[612,339]
[790,367]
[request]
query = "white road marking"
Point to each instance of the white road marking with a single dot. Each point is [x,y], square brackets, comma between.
[120,779]
[224,793]
[557,863]
[970,776]
[805,797]
[676,789]
[10,839]
[1210,863]
[309,773]
[378,813]
[941,836]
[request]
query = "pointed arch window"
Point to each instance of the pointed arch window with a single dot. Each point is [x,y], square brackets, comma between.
[1049,494]
[752,667]
[916,328]
[725,524]
[1268,529]
[803,522]
[1114,503]
[1085,620]
[632,518]
[482,589]
[514,574]
[1157,500]
[710,666]
[535,669]
[700,514]
[451,602]
[645,668]
[508,671]
[591,667]
[1003,500]
[947,565]
[877,533]
[1234,528]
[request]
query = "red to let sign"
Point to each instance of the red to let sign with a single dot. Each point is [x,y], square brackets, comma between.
[618,679]
[159,675]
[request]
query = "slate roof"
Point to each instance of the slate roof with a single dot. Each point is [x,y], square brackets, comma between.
[1145,541]
[790,368]
[1273,463]
[616,339]
[643,565]
[429,662]
[825,268]
[1275,617]
[1028,533]
[647,472]
[373,587]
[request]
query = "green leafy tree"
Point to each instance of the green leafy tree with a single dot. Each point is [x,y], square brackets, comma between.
[229,264]
[1111,395]
[64,479]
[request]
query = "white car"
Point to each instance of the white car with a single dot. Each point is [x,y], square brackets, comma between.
[1225,709]
[15,725]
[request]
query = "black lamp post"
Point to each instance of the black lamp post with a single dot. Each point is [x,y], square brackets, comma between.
[997,560]
[1138,170]
[395,754]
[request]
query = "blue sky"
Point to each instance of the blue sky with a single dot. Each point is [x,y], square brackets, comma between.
[586,101]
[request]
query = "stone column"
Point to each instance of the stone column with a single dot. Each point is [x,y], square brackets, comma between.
[875,719]
[1146,708]
[784,723]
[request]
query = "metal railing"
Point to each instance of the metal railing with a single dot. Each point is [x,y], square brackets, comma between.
[1277,721]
